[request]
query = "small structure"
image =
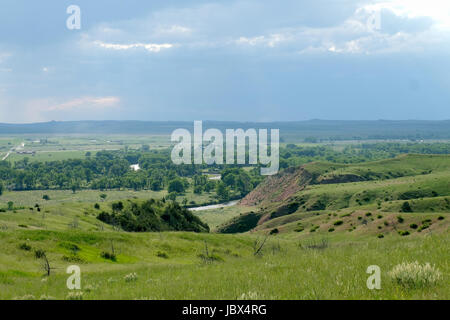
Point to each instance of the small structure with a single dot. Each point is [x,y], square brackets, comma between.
[135,167]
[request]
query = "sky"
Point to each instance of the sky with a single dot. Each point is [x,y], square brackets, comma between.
[244,60]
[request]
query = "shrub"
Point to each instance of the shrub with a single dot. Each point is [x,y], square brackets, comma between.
[415,275]
[368,214]
[413,226]
[441,218]
[400,219]
[131,277]
[403,233]
[274,231]
[25,247]
[331,230]
[72,258]
[338,223]
[39,253]
[109,256]
[379,236]
[423,227]
[46,197]
[300,228]
[162,254]
[97,206]
[406,207]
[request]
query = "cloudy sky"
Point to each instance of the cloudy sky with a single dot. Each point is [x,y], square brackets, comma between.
[248,60]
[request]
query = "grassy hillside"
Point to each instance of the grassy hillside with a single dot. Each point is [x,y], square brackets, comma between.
[382,186]
[306,233]
[173,266]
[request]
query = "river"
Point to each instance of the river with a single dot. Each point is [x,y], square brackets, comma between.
[215,206]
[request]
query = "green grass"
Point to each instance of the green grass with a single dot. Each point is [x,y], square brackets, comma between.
[30,198]
[169,265]
[283,271]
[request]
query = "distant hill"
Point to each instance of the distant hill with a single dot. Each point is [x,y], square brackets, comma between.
[311,130]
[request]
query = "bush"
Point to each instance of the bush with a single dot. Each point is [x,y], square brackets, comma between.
[406,207]
[413,226]
[423,227]
[97,206]
[109,256]
[39,253]
[380,236]
[162,254]
[338,223]
[331,230]
[441,218]
[274,231]
[403,233]
[400,219]
[415,275]
[131,277]
[25,247]
[46,197]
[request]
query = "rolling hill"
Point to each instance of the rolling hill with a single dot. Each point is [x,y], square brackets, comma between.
[310,195]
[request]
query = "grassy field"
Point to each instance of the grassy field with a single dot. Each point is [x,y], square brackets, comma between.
[167,266]
[320,249]
[59,147]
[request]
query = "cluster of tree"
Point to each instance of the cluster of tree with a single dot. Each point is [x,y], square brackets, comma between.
[111,169]
[106,170]
[152,215]
[293,155]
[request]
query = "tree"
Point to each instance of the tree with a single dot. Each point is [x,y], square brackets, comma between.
[1,188]
[117,206]
[172,196]
[74,187]
[176,185]
[406,207]
[223,192]
[46,197]
[10,205]
[40,254]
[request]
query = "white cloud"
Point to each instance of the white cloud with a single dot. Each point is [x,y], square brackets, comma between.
[173,29]
[37,106]
[151,47]
[438,10]
[271,40]
[84,102]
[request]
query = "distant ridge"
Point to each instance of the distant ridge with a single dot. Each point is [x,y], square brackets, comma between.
[319,129]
